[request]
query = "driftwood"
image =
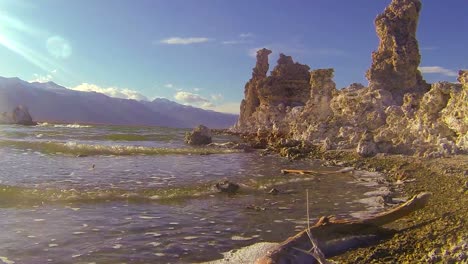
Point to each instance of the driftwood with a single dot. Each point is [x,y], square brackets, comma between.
[286,171]
[337,236]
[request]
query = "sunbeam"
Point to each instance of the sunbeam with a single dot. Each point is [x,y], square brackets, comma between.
[16,34]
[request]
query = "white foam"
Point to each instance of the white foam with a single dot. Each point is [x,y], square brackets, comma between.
[153,234]
[241,238]
[247,254]
[148,217]
[6,260]
[72,126]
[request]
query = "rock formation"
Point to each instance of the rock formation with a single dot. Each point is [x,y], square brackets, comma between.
[397,113]
[19,116]
[269,98]
[287,85]
[252,101]
[395,63]
[201,135]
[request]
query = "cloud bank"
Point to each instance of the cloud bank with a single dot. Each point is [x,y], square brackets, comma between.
[190,98]
[123,93]
[184,41]
[214,103]
[439,70]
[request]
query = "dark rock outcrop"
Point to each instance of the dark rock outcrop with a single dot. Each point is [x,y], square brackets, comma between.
[227,187]
[395,63]
[19,116]
[201,135]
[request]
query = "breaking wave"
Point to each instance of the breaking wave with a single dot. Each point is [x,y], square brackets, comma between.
[74,148]
[73,126]
[28,196]
[45,124]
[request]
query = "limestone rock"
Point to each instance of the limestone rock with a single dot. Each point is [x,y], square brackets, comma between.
[395,63]
[19,116]
[251,100]
[322,89]
[326,144]
[201,135]
[261,68]
[398,113]
[288,84]
[268,99]
[363,108]
[366,146]
[463,77]
[455,114]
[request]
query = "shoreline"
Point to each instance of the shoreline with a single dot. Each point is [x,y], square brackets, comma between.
[439,231]
[436,233]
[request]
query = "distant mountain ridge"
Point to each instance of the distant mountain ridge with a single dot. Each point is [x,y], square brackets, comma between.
[52,102]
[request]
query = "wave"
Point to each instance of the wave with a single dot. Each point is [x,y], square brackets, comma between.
[136,137]
[74,148]
[26,196]
[18,196]
[45,124]
[73,126]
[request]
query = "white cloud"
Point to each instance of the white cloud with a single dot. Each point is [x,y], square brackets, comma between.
[438,69]
[229,107]
[44,78]
[111,91]
[246,35]
[169,85]
[233,42]
[217,97]
[214,104]
[241,39]
[190,98]
[208,105]
[184,41]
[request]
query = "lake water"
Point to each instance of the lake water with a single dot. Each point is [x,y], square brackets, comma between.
[113,194]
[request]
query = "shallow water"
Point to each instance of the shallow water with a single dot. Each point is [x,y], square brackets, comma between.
[112,194]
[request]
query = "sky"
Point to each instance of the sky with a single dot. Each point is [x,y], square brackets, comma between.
[201,52]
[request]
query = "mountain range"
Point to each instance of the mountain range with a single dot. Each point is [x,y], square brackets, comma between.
[50,102]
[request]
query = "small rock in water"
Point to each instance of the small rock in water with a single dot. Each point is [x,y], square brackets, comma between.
[274,191]
[201,135]
[255,207]
[227,187]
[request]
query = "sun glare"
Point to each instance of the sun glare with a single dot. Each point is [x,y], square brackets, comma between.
[17,36]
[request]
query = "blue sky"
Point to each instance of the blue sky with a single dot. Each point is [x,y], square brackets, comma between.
[199,52]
